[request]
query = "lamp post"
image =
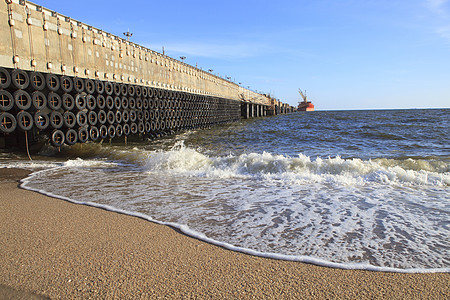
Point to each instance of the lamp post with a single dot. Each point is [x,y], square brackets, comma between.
[182,58]
[128,34]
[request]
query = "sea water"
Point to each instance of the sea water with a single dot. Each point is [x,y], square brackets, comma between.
[347,189]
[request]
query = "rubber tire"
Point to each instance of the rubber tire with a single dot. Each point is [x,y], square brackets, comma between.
[78,84]
[58,138]
[119,130]
[68,103]
[102,117]
[56,119]
[89,85]
[66,84]
[109,102]
[92,118]
[54,101]
[71,137]
[23,76]
[94,134]
[111,117]
[112,131]
[103,130]
[109,88]
[83,135]
[8,98]
[24,116]
[70,120]
[5,78]
[126,129]
[37,81]
[38,117]
[101,101]
[12,119]
[21,94]
[82,118]
[80,101]
[99,87]
[52,82]
[91,102]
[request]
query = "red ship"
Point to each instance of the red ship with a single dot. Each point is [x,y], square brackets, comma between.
[305,105]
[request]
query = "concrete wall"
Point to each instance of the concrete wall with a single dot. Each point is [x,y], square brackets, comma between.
[35,38]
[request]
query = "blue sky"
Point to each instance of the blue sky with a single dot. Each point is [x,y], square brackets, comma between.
[347,54]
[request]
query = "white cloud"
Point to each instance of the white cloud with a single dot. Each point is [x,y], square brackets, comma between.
[437,6]
[440,9]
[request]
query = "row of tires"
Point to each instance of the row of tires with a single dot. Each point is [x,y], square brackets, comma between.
[37,100]
[37,81]
[69,111]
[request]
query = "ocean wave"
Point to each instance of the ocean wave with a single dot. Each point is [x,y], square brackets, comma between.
[298,170]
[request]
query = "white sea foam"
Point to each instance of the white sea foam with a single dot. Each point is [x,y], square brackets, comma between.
[297,170]
[346,213]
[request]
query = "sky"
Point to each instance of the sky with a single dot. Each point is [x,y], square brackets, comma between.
[346,54]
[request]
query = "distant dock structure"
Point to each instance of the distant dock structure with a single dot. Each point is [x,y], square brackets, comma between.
[68,82]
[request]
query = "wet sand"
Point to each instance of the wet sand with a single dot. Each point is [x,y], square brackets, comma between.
[53,248]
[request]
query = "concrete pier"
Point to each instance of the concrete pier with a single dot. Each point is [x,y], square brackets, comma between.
[51,64]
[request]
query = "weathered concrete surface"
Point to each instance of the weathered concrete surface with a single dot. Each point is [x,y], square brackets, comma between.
[38,39]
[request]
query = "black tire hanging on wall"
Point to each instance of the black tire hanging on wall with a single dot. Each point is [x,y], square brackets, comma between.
[68,103]
[99,86]
[109,88]
[71,137]
[102,118]
[109,102]
[22,99]
[80,101]
[119,130]
[83,135]
[103,131]
[94,133]
[56,119]
[78,84]
[5,78]
[20,79]
[70,120]
[101,101]
[126,129]
[52,81]
[66,84]
[54,101]
[6,100]
[8,122]
[37,81]
[82,118]
[89,85]
[39,100]
[41,120]
[57,138]
[91,102]
[24,120]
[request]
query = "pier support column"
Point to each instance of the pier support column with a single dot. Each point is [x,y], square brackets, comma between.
[245,110]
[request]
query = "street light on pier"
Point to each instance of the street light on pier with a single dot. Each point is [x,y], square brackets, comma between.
[182,58]
[128,34]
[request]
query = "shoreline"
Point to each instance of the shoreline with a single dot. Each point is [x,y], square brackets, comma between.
[59,249]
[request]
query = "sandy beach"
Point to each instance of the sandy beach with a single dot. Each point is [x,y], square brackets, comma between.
[56,249]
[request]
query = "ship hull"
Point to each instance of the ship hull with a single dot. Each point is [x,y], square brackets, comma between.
[305,107]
